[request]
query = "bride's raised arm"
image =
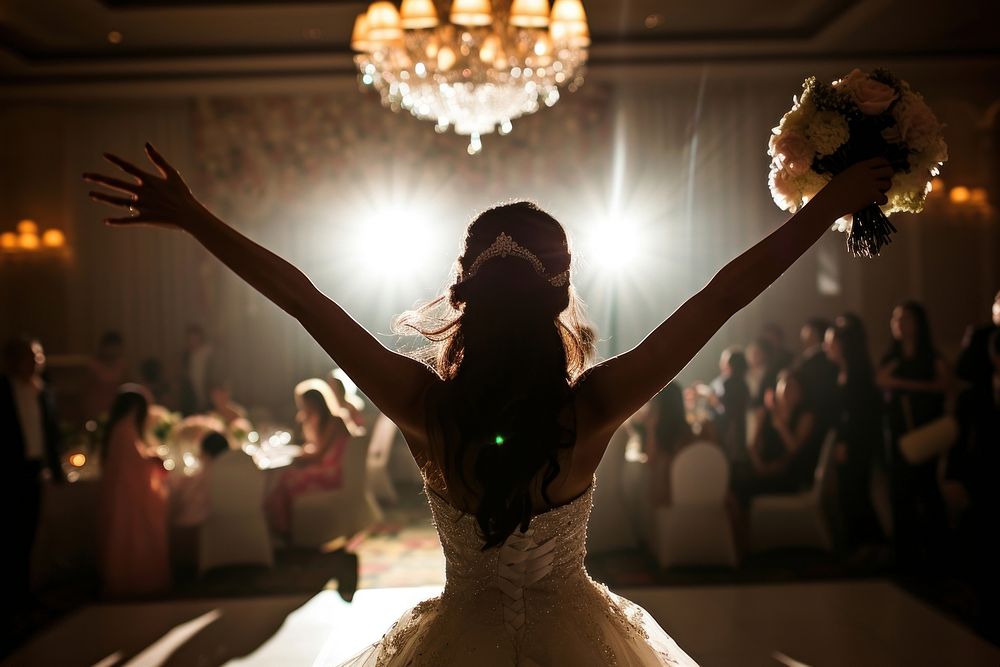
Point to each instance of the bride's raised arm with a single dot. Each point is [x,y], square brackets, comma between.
[394,382]
[612,391]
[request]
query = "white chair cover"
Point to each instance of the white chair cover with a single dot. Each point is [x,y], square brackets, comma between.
[236,531]
[322,516]
[795,519]
[608,531]
[695,529]
[379,451]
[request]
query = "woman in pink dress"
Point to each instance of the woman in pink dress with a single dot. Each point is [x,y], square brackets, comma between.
[134,554]
[327,430]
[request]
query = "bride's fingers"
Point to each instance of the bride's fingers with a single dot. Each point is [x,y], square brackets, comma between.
[115,201]
[114,183]
[165,167]
[128,167]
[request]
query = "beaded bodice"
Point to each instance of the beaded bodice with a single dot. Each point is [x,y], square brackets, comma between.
[530,567]
[528,602]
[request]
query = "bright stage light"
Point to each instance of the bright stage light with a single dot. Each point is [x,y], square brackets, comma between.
[613,247]
[395,242]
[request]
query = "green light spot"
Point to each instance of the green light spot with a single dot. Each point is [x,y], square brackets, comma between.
[499,440]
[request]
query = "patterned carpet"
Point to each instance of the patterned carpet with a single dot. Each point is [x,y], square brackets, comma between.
[404,549]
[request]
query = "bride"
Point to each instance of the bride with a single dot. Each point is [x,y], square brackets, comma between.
[506,417]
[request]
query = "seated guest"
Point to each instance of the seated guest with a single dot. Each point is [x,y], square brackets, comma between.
[351,403]
[785,448]
[667,432]
[223,405]
[327,430]
[29,443]
[859,429]
[134,557]
[189,501]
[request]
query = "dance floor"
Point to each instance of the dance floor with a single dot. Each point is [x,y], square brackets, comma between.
[813,624]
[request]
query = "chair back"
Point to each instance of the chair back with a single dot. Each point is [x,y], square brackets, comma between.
[699,475]
[355,468]
[235,486]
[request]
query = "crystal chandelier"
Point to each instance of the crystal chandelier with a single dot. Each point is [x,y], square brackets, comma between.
[480,70]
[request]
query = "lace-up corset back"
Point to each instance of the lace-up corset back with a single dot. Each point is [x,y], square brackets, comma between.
[529,570]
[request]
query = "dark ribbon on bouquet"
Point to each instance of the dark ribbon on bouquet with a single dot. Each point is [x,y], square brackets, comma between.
[870,228]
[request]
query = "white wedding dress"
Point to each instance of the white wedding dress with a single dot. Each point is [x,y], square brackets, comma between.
[527,603]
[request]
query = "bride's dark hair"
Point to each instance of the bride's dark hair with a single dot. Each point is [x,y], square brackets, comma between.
[510,345]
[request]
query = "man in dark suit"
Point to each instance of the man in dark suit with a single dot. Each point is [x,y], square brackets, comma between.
[819,374]
[29,445]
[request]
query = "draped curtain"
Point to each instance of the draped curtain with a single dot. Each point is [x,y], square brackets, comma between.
[679,165]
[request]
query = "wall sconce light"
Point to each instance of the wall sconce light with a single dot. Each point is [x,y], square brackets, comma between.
[27,240]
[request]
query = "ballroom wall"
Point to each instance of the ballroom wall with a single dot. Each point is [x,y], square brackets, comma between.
[675,154]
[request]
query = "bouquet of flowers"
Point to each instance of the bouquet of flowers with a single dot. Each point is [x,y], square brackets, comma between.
[861,116]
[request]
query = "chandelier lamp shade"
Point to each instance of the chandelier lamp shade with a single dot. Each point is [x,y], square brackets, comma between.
[485,66]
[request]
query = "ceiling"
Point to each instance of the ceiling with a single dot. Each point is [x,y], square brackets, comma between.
[62,42]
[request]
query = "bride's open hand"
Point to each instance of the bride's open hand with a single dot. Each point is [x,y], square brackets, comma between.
[161,199]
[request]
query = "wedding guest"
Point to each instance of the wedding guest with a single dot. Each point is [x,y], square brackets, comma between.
[154,379]
[915,379]
[975,369]
[189,502]
[223,405]
[350,401]
[196,372]
[859,429]
[107,372]
[29,444]
[666,432]
[781,356]
[762,373]
[133,545]
[327,430]
[730,398]
[818,373]
[785,449]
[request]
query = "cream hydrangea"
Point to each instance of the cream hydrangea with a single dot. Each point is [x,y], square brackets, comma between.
[827,131]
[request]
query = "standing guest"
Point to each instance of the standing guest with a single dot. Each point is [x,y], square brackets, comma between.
[975,369]
[196,373]
[107,372]
[223,405]
[762,373]
[818,373]
[153,378]
[730,399]
[29,442]
[915,380]
[858,427]
[133,545]
[667,432]
[327,430]
[785,448]
[781,356]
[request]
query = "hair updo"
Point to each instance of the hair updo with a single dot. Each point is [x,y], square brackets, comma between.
[509,345]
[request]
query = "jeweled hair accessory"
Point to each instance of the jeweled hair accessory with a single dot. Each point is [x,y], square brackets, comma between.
[505,246]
